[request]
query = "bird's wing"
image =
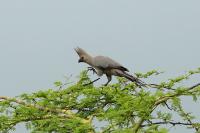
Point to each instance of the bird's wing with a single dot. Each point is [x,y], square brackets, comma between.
[106,62]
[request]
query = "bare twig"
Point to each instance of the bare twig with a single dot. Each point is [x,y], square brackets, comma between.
[91,82]
[194,86]
[168,122]
[156,86]
[167,106]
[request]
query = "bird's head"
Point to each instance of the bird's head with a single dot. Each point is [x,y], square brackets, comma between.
[83,56]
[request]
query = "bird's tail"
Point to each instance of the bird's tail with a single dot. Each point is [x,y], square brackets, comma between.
[132,78]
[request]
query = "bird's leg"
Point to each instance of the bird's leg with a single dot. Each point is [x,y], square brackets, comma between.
[109,77]
[92,69]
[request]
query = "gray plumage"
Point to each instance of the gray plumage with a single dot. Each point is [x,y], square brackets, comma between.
[105,65]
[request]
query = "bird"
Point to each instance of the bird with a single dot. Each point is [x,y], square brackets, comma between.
[105,65]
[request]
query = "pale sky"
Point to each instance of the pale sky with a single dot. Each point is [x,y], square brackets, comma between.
[37,39]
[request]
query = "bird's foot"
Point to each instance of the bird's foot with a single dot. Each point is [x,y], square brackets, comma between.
[92,69]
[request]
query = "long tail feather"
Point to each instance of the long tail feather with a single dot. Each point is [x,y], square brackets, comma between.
[132,78]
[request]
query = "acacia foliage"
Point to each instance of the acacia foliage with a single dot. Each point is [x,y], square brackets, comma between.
[123,106]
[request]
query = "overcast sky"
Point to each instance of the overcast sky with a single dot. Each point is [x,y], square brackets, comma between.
[37,39]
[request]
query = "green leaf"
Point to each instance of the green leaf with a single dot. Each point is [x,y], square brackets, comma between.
[58,83]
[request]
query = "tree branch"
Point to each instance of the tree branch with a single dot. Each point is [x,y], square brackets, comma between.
[165,98]
[91,82]
[169,122]
[158,102]
[65,113]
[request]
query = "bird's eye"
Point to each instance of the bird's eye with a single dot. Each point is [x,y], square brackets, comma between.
[82,58]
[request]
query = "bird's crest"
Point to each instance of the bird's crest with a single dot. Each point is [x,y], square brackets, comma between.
[80,51]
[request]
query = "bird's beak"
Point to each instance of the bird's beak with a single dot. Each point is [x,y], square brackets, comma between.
[80,60]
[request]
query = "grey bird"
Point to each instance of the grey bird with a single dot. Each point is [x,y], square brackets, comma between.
[105,65]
